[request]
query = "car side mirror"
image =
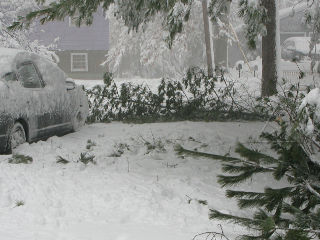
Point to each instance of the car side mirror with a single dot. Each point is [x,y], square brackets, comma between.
[70,84]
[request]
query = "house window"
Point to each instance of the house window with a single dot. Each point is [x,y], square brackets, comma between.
[79,62]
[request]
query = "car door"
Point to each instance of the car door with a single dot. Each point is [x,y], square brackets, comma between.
[43,101]
[55,84]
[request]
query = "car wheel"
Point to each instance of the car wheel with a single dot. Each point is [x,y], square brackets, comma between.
[17,136]
[78,121]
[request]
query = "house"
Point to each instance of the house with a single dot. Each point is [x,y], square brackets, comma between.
[81,50]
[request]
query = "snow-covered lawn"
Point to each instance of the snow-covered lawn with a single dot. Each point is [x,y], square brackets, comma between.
[142,194]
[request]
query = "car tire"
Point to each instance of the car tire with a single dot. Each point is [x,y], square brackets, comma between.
[78,121]
[17,136]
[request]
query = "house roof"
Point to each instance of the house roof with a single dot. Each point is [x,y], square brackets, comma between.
[62,36]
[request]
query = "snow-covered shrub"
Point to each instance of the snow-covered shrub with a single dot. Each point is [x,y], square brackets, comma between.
[90,144]
[154,145]
[195,97]
[86,157]
[19,203]
[119,149]
[62,160]
[19,158]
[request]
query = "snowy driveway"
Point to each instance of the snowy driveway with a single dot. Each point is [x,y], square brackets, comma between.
[139,189]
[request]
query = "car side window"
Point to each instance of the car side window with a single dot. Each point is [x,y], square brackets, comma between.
[29,75]
[10,76]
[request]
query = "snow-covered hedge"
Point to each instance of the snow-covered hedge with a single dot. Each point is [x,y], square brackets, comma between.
[195,97]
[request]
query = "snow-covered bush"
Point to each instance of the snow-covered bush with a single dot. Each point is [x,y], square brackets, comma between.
[86,158]
[20,159]
[195,97]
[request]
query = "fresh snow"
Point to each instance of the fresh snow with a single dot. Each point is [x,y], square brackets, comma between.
[290,11]
[141,195]
[311,99]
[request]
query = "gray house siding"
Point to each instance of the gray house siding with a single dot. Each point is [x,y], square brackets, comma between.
[95,58]
[67,39]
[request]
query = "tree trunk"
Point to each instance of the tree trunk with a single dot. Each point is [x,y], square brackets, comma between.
[221,42]
[270,51]
[207,37]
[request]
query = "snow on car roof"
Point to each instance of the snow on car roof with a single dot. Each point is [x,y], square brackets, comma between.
[10,58]
[7,56]
[9,51]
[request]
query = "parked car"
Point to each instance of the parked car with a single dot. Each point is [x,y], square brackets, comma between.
[37,101]
[298,48]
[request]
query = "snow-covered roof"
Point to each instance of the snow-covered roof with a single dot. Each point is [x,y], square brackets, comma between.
[286,12]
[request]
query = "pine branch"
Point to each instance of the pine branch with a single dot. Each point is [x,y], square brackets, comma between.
[231,180]
[242,168]
[253,155]
[241,194]
[306,230]
[249,203]
[311,189]
[247,222]
[237,179]
[60,10]
[180,150]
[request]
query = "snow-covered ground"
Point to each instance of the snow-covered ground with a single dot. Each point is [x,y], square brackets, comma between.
[141,195]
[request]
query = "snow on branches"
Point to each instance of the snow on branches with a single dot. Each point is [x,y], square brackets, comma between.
[9,11]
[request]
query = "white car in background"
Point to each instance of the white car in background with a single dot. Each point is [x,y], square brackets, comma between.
[37,101]
[298,48]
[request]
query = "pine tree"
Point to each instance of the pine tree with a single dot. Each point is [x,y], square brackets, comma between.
[291,212]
